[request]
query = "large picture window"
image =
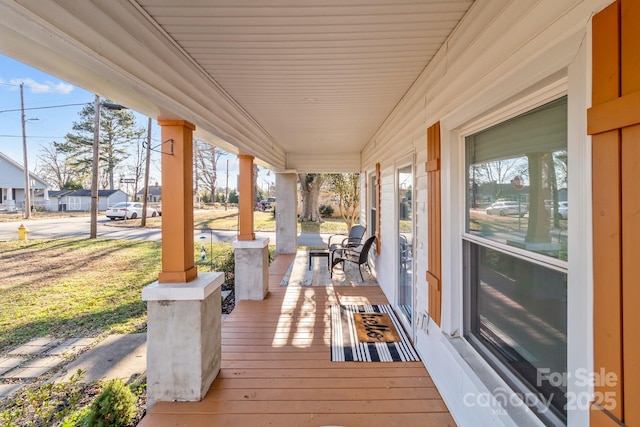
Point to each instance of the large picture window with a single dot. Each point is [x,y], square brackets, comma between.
[373,205]
[517,174]
[516,250]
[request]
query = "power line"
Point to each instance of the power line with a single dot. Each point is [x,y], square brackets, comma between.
[31,136]
[43,108]
[30,86]
[12,85]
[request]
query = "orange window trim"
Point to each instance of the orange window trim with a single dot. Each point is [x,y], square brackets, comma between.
[434,243]
[613,122]
[630,176]
[378,207]
[606,225]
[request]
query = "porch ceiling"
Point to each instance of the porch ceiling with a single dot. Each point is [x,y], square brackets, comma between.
[297,83]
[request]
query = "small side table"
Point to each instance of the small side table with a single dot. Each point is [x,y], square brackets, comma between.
[314,253]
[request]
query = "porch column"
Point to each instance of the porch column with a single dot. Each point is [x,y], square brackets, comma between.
[10,202]
[177,208]
[251,254]
[286,213]
[246,201]
[183,307]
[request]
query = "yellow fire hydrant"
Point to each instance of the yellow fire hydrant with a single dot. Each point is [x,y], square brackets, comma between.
[22,232]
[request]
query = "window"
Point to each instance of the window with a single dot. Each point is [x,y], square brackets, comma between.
[405,241]
[517,174]
[516,250]
[373,205]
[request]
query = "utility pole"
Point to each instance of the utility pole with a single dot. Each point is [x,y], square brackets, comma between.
[226,189]
[27,189]
[94,170]
[143,221]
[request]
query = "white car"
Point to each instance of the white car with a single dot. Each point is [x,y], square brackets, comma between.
[563,210]
[129,210]
[506,208]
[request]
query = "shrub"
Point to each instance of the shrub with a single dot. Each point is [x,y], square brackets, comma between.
[77,418]
[326,211]
[115,406]
[227,265]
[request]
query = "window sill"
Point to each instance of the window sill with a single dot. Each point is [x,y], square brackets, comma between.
[488,382]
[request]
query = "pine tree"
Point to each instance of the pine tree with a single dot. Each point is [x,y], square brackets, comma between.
[117,130]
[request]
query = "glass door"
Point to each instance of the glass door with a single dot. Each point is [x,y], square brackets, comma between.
[405,241]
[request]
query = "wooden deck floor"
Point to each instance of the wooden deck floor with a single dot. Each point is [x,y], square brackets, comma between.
[277,370]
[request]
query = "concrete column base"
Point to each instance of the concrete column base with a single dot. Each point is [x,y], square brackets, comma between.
[183,338]
[252,269]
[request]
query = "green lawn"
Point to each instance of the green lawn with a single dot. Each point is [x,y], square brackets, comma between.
[72,287]
[81,287]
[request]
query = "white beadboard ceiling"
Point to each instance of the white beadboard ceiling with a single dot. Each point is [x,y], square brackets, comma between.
[290,79]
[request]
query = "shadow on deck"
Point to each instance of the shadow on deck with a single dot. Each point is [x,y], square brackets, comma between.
[277,369]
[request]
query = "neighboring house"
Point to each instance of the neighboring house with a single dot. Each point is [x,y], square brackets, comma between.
[12,185]
[155,193]
[80,200]
[54,202]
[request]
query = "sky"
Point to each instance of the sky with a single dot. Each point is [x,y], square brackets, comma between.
[63,101]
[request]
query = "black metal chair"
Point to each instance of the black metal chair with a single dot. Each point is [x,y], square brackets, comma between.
[357,255]
[353,240]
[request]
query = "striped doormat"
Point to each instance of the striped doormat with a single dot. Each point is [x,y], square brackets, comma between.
[345,346]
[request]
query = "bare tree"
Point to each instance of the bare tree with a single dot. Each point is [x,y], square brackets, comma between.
[310,184]
[135,169]
[499,171]
[561,162]
[206,158]
[55,167]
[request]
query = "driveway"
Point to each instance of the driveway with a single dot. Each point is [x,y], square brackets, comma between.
[78,227]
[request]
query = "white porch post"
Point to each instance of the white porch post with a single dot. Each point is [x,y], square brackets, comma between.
[11,204]
[251,254]
[286,213]
[47,201]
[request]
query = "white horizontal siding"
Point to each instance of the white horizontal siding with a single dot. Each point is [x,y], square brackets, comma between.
[324,163]
[504,51]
